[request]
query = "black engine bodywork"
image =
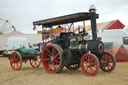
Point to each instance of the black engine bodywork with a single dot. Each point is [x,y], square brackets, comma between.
[73,51]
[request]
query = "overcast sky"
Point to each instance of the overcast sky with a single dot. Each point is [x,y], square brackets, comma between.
[21,13]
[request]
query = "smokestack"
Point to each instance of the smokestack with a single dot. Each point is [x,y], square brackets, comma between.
[92,11]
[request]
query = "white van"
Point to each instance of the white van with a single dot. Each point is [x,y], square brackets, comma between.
[14,43]
[118,35]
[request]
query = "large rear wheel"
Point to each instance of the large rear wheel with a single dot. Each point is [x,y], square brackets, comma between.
[52,58]
[108,62]
[15,61]
[90,64]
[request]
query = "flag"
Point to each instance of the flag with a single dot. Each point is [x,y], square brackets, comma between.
[34,27]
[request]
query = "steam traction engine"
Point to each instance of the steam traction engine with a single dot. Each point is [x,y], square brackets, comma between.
[74,50]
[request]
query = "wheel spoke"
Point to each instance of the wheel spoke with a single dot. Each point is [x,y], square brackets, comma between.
[49,51]
[50,62]
[36,63]
[15,65]
[57,55]
[86,68]
[91,69]
[55,66]
[85,62]
[110,65]
[32,61]
[92,64]
[18,65]
[49,55]
[57,61]
[14,56]
[11,61]
[58,58]
[88,59]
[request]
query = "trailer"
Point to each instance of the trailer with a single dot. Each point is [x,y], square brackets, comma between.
[75,50]
[19,51]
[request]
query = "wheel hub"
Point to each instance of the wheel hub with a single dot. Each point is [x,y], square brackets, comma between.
[52,58]
[35,59]
[88,64]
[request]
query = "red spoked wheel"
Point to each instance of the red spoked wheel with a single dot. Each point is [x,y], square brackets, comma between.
[52,58]
[73,66]
[35,63]
[108,62]
[90,64]
[15,61]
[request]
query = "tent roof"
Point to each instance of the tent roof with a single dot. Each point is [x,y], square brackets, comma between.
[115,24]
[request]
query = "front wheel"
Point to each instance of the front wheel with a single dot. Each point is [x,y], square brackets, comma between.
[52,58]
[108,62]
[90,64]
